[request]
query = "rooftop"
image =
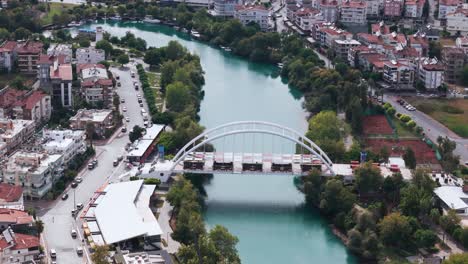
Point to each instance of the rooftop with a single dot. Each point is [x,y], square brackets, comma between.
[93,73]
[11,127]
[16,241]
[10,193]
[92,115]
[449,2]
[13,216]
[33,99]
[354,4]
[452,196]
[30,47]
[132,198]
[63,72]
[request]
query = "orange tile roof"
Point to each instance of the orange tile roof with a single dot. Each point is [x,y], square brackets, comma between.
[15,216]
[354,3]
[32,100]
[63,72]
[10,193]
[26,241]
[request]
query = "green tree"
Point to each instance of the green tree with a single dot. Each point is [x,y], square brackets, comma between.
[410,158]
[368,179]
[152,181]
[177,96]
[100,255]
[123,59]
[84,42]
[175,51]
[154,56]
[354,240]
[22,33]
[18,83]
[4,34]
[325,130]
[449,221]
[335,198]
[106,46]
[464,75]
[461,258]
[425,238]
[395,230]
[313,184]
[225,244]
[446,147]
[39,226]
[136,133]
[90,132]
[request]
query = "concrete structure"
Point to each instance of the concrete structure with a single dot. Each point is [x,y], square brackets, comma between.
[35,171]
[13,133]
[68,143]
[101,119]
[225,8]
[18,248]
[454,197]
[14,218]
[399,74]
[453,60]
[28,105]
[56,50]
[329,9]
[132,198]
[353,12]
[420,43]
[99,34]
[253,13]
[373,8]
[146,257]
[143,147]
[11,197]
[414,8]
[393,8]
[96,87]
[90,55]
[342,47]
[457,22]
[306,18]
[430,72]
[28,54]
[326,35]
[7,55]
[446,7]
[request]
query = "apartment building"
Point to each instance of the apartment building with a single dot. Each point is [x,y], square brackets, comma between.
[19,248]
[7,55]
[457,22]
[68,143]
[96,87]
[225,8]
[101,119]
[430,72]
[380,29]
[414,8]
[28,55]
[34,171]
[453,59]
[393,8]
[341,47]
[446,7]
[462,42]
[253,13]
[65,50]
[329,9]
[61,78]
[306,18]
[13,133]
[420,43]
[355,52]
[29,105]
[90,55]
[399,74]
[373,8]
[327,35]
[353,12]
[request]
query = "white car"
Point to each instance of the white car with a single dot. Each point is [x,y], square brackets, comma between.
[78,179]
[127,119]
[124,109]
[122,100]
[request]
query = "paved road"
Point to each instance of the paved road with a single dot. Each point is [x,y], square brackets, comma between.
[58,220]
[432,128]
[164,217]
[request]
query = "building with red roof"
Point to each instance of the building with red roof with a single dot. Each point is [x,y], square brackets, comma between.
[393,8]
[420,43]
[326,35]
[306,18]
[355,52]
[29,105]
[96,86]
[253,13]
[18,248]
[353,12]
[380,29]
[12,217]
[11,196]
[399,74]
[28,56]
[430,72]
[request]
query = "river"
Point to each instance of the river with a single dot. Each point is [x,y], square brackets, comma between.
[267,213]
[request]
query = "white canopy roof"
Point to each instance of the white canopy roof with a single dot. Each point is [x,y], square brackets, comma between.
[453,196]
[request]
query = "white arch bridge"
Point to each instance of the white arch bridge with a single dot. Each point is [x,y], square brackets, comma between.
[192,158]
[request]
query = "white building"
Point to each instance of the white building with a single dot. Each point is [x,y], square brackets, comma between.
[329,9]
[453,197]
[373,7]
[414,8]
[68,143]
[462,42]
[196,3]
[226,8]
[258,14]
[13,133]
[342,47]
[457,22]
[446,7]
[35,171]
[99,34]
[133,218]
[61,49]
[306,18]
[354,12]
[90,55]
[431,73]
[18,248]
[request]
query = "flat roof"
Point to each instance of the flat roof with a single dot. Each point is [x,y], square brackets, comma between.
[453,196]
[153,131]
[145,142]
[124,212]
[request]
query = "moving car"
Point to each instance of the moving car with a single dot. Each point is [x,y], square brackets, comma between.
[90,166]
[122,100]
[73,233]
[124,109]
[127,119]
[74,184]
[65,196]
[79,251]
[132,73]
[115,163]
[95,162]
[118,84]
[79,206]
[53,253]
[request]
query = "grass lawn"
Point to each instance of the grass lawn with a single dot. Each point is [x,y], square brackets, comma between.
[55,9]
[453,113]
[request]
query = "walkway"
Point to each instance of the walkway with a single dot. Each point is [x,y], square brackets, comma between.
[163,220]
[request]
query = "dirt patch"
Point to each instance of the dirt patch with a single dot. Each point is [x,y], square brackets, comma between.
[424,154]
[376,124]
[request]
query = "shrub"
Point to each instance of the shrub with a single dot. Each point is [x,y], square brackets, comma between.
[398,115]
[391,111]
[387,105]
[405,118]
[419,130]
[411,123]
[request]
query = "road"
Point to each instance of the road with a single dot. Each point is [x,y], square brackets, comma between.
[432,128]
[57,219]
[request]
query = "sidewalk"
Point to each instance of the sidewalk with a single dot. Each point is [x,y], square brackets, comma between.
[164,217]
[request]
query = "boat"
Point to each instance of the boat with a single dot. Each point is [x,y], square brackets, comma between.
[280,65]
[115,18]
[151,20]
[195,34]
[75,24]
[228,49]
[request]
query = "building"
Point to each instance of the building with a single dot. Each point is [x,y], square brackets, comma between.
[61,78]
[306,18]
[353,12]
[430,73]
[225,8]
[132,198]
[11,197]
[446,7]
[14,218]
[454,198]
[99,34]
[68,143]
[7,55]
[414,8]
[462,42]
[380,29]
[419,42]
[101,119]
[18,248]
[65,50]
[13,133]
[196,3]
[373,8]
[457,22]
[342,47]
[34,171]
[143,147]
[329,9]
[28,55]
[90,55]
[355,52]
[393,8]
[29,105]
[453,59]
[96,87]
[399,74]
[145,257]
[326,35]
[253,13]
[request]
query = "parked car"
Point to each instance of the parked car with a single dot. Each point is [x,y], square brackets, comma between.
[53,253]
[124,109]
[141,104]
[118,84]
[65,196]
[117,77]
[120,158]
[95,162]
[79,251]
[79,206]
[74,212]
[122,100]
[79,179]
[74,184]
[124,129]
[127,119]
[73,233]
[90,166]
[132,73]
[115,163]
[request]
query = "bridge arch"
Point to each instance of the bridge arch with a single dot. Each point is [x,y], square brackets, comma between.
[252,127]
